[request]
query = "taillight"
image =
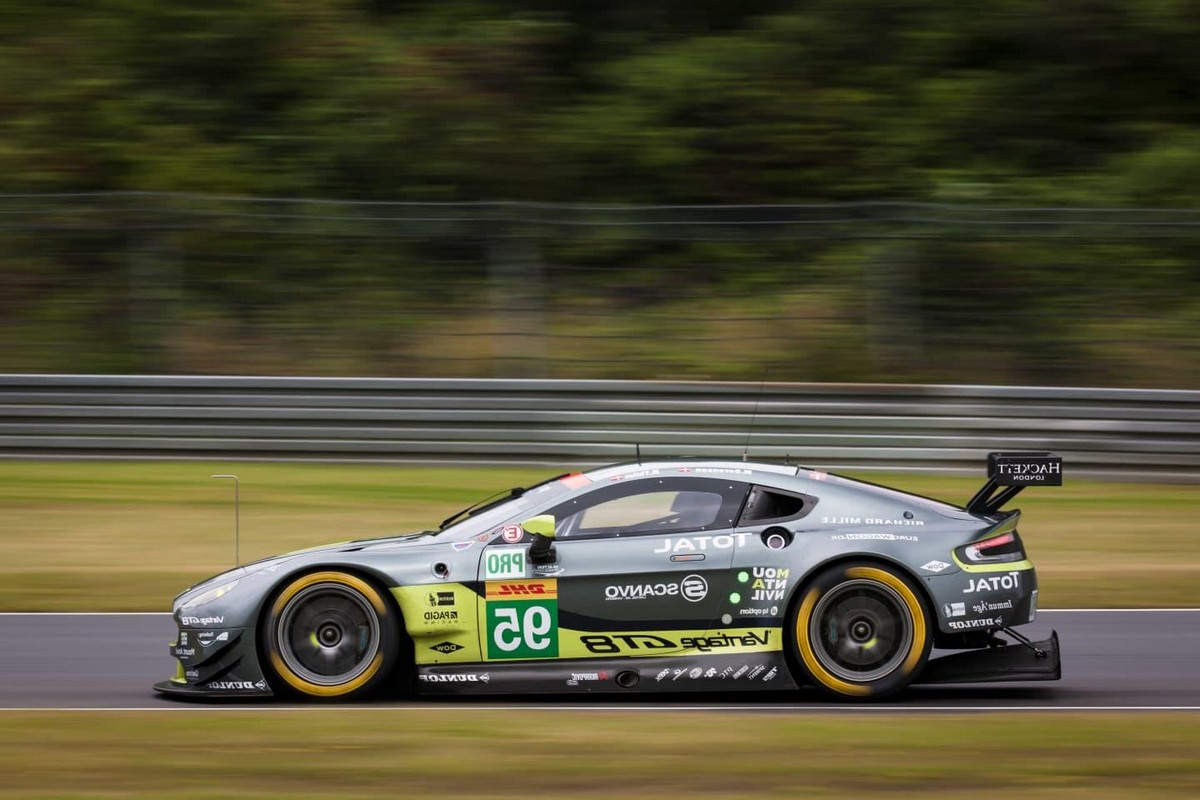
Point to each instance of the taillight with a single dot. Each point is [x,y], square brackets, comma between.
[993,550]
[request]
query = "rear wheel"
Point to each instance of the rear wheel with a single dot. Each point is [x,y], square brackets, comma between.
[331,635]
[860,630]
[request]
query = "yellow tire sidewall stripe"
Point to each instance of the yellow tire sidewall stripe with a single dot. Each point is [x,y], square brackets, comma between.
[804,644]
[294,588]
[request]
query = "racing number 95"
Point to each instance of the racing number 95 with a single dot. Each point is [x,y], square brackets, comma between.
[529,629]
[522,629]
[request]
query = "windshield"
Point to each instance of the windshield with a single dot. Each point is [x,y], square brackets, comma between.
[512,508]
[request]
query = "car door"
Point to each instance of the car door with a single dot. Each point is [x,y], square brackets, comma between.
[636,562]
[762,575]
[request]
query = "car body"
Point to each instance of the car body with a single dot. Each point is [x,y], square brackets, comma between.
[671,575]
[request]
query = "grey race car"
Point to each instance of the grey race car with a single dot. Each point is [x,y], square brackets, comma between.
[674,575]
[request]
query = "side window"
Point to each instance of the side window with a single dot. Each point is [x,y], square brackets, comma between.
[653,506]
[774,505]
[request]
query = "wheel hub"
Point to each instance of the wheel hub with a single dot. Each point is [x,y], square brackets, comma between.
[861,630]
[328,634]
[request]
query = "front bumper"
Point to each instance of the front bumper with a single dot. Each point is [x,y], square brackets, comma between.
[216,663]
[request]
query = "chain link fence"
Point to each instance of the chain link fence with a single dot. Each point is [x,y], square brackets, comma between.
[874,292]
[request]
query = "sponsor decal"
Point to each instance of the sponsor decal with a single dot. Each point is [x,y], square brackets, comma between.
[183,652]
[935,566]
[954,609]
[640,591]
[202,620]
[1009,580]
[1028,470]
[608,644]
[678,673]
[434,599]
[694,543]
[238,685]
[662,673]
[693,588]
[695,673]
[441,616]
[460,677]
[183,638]
[711,672]
[771,673]
[769,583]
[647,643]
[446,647]
[206,638]
[547,569]
[773,611]
[980,608]
[522,619]
[741,671]
[632,475]
[460,546]
[582,677]
[508,590]
[512,533]
[966,624]
[725,673]
[723,640]
[754,673]
[875,537]
[191,674]
[504,562]
[871,521]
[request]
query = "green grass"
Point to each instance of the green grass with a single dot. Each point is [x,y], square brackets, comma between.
[128,536]
[446,753]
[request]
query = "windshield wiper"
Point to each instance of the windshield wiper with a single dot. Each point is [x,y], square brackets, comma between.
[485,503]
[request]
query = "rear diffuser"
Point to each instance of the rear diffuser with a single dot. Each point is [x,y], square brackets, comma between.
[1037,661]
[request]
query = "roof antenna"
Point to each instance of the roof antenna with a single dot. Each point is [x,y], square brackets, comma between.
[237,519]
[761,385]
[637,449]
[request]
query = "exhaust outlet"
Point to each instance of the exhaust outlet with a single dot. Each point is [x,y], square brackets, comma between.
[627,679]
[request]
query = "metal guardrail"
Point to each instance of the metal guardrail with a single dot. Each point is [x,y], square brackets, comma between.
[1130,433]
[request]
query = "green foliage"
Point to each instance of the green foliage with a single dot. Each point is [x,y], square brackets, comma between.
[1008,103]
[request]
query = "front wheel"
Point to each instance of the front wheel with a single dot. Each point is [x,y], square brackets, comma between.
[330,635]
[860,631]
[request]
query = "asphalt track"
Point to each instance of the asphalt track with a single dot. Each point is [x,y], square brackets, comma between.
[1112,659]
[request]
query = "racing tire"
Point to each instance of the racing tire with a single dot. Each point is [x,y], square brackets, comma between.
[860,631]
[330,635]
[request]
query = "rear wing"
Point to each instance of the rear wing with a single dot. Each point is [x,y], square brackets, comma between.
[1012,472]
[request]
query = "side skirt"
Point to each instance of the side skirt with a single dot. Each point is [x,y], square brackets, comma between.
[748,672]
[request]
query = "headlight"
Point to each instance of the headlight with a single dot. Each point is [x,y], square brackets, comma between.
[210,595]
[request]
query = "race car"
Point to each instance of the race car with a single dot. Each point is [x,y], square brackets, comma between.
[671,575]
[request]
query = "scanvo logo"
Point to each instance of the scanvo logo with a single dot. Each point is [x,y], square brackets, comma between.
[693,588]
[523,590]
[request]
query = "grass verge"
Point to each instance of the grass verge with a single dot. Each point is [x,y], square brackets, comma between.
[127,536]
[444,753]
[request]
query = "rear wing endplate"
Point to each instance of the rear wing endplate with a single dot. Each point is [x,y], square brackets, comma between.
[1010,473]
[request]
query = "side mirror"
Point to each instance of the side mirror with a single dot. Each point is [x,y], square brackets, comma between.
[541,528]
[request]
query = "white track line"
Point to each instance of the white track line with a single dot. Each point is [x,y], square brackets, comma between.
[168,613]
[541,709]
